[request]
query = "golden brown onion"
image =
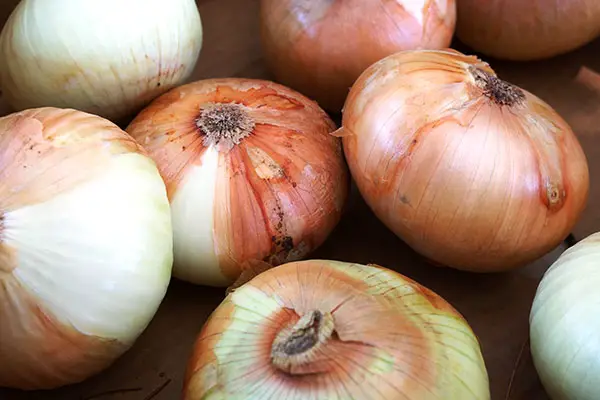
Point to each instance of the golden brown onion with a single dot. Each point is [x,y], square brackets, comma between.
[322,329]
[320,47]
[527,29]
[86,246]
[252,174]
[469,170]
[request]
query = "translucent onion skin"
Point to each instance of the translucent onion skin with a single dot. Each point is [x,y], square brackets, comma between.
[85,246]
[320,47]
[252,173]
[379,336]
[109,57]
[527,30]
[564,324]
[472,172]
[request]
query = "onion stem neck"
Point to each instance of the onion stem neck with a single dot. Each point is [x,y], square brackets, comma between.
[500,92]
[224,124]
[298,344]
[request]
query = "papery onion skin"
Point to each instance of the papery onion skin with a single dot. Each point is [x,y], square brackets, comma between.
[320,47]
[392,339]
[527,30]
[111,59]
[275,196]
[85,246]
[564,324]
[470,171]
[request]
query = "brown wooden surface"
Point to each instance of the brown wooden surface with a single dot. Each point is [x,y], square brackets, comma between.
[496,306]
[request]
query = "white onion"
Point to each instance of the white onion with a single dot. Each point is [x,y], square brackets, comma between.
[108,57]
[85,246]
[565,324]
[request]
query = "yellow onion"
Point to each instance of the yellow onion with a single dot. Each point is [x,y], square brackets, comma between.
[320,47]
[564,324]
[527,29]
[469,170]
[252,174]
[108,57]
[85,246]
[323,329]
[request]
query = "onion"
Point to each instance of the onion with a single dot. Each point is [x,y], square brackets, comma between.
[323,329]
[525,29]
[252,173]
[85,246]
[108,57]
[320,47]
[564,324]
[470,171]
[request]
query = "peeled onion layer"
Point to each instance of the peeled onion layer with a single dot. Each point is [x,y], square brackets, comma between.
[108,58]
[368,333]
[564,324]
[85,249]
[472,172]
[526,30]
[252,173]
[320,47]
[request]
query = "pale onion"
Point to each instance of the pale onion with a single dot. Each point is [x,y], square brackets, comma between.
[252,174]
[320,47]
[472,172]
[108,57]
[565,321]
[527,29]
[85,246]
[323,329]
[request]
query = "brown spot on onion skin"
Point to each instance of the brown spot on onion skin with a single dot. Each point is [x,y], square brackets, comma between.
[496,177]
[356,333]
[302,40]
[42,352]
[286,178]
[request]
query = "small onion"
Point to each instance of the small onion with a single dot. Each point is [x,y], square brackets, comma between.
[565,321]
[108,57]
[323,329]
[252,174]
[472,172]
[85,246]
[527,29]
[320,47]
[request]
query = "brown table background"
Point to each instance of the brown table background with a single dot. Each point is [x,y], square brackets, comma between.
[496,306]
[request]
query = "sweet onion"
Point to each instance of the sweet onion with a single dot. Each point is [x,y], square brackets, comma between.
[323,329]
[85,246]
[320,47]
[252,173]
[471,171]
[564,324]
[527,29]
[108,57]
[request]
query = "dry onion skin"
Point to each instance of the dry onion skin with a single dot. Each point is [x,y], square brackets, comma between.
[109,57]
[320,47]
[252,172]
[469,170]
[525,30]
[321,329]
[564,324]
[85,246]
